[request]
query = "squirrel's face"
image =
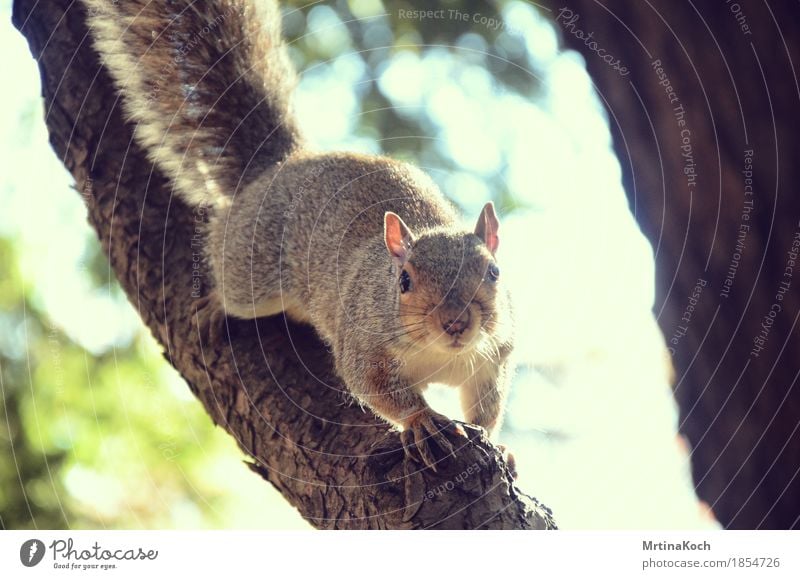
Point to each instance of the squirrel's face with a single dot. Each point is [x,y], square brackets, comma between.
[448,285]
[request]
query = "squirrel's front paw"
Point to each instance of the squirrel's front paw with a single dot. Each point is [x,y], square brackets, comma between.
[423,428]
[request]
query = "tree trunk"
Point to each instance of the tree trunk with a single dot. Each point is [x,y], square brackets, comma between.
[279,397]
[707,90]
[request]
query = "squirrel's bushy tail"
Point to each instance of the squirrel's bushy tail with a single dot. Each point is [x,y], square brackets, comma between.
[207,84]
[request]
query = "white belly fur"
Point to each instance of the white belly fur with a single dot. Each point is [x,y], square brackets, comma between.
[428,367]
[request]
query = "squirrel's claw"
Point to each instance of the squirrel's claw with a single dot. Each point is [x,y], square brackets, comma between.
[415,445]
[421,442]
[424,428]
[407,438]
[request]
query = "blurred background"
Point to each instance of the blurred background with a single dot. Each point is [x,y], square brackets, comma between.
[486,102]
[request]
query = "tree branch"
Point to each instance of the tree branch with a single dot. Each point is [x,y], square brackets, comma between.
[269,383]
[725,71]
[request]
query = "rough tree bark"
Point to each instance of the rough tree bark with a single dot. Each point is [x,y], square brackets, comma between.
[729,67]
[269,383]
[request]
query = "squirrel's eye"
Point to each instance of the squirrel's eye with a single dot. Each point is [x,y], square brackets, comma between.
[493,273]
[405,282]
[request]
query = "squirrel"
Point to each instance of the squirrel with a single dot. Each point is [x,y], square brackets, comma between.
[364,248]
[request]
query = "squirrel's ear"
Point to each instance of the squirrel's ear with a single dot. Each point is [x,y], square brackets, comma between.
[398,237]
[488,226]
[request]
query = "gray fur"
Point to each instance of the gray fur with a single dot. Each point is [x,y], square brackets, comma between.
[303,233]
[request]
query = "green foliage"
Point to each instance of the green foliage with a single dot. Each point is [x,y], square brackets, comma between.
[109,440]
[400,68]
[90,439]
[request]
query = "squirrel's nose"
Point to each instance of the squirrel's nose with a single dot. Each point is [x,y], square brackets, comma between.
[455,321]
